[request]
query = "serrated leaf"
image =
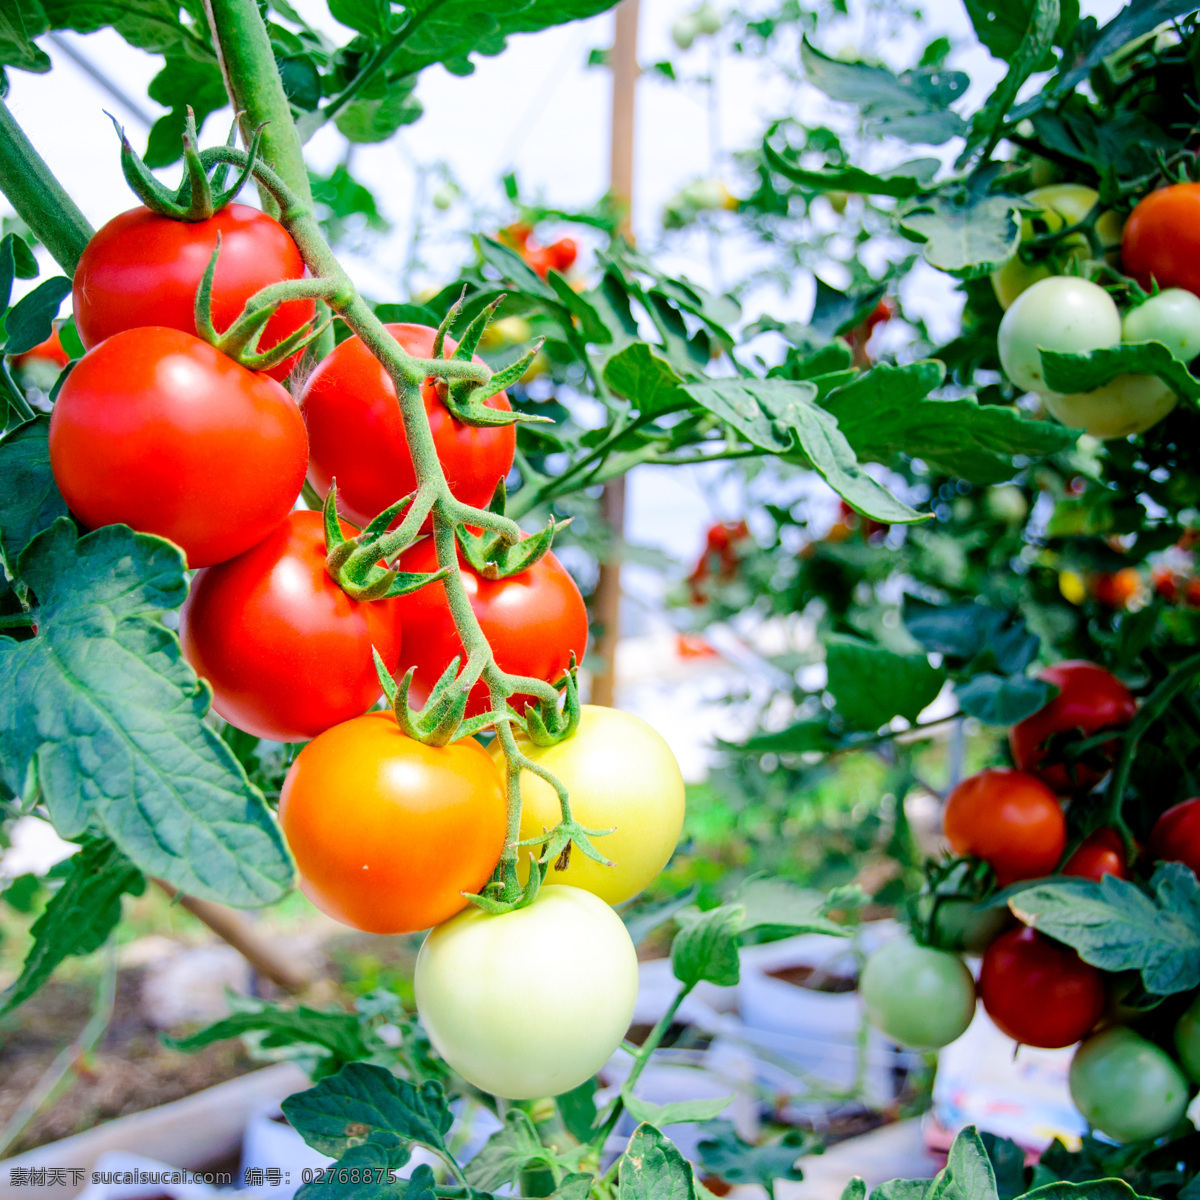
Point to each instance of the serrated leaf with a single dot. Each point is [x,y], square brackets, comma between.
[1069,373]
[871,685]
[902,181]
[29,498]
[1002,699]
[727,1156]
[79,916]
[17,47]
[103,714]
[1115,926]
[368,120]
[184,81]
[706,947]
[964,232]
[647,381]
[653,1169]
[365,16]
[30,321]
[507,1153]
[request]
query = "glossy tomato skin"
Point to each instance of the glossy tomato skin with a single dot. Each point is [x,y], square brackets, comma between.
[1126,1086]
[157,430]
[285,650]
[387,832]
[532,1002]
[349,403]
[533,621]
[1038,991]
[1090,700]
[1176,835]
[1161,241]
[1101,853]
[620,775]
[918,996]
[143,269]
[1011,820]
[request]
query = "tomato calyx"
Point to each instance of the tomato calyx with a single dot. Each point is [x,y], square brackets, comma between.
[964,884]
[546,724]
[491,556]
[499,897]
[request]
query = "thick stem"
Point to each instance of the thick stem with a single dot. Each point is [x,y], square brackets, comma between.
[39,199]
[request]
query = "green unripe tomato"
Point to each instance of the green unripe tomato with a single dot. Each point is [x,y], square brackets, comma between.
[444,197]
[1061,313]
[1172,317]
[960,925]
[1128,404]
[1126,1087]
[917,996]
[1006,502]
[1187,1039]
[684,31]
[708,20]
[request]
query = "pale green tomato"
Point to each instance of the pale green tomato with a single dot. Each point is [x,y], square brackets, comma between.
[1172,317]
[707,19]
[533,1002]
[1187,1039]
[1061,313]
[1006,502]
[1129,404]
[918,996]
[1127,1087]
[684,31]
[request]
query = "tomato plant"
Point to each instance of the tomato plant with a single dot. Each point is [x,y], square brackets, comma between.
[158,430]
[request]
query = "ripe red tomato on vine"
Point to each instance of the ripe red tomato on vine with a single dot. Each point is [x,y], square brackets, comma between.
[724,546]
[1160,243]
[1175,836]
[357,436]
[50,351]
[1115,589]
[1101,853]
[143,269]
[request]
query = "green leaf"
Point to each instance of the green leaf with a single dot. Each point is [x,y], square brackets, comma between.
[902,1189]
[972,634]
[152,25]
[1001,699]
[653,1169]
[676,1113]
[856,1189]
[29,321]
[29,497]
[573,1187]
[871,685]
[17,48]
[101,712]
[777,907]
[578,1106]
[724,1154]
[1008,1165]
[706,946]
[367,16]
[1001,27]
[802,738]
[507,1153]
[1093,1189]
[1116,926]
[648,382]
[968,1173]
[780,416]
[16,262]
[375,120]
[888,411]
[1069,373]
[965,232]
[79,916]
[902,181]
[365,1106]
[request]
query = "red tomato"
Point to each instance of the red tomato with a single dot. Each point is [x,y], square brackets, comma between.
[1166,584]
[533,622]
[563,253]
[1176,835]
[1161,240]
[156,429]
[143,269]
[286,651]
[1090,701]
[349,403]
[387,832]
[1101,853]
[1011,820]
[1115,589]
[51,351]
[1038,991]
[1191,592]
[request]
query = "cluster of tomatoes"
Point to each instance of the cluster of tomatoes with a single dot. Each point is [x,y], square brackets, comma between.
[1035,989]
[1068,313]
[725,545]
[157,429]
[559,255]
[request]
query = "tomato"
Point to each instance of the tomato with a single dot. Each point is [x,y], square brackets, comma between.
[1176,835]
[286,651]
[357,435]
[1171,317]
[1011,820]
[917,996]
[388,833]
[1039,992]
[1128,404]
[1126,1087]
[959,924]
[156,429]
[1006,502]
[1115,589]
[1166,584]
[1187,1039]
[1161,242]
[1090,700]
[143,269]
[533,621]
[619,775]
[1061,313]
[1101,853]
[1059,205]
[533,1002]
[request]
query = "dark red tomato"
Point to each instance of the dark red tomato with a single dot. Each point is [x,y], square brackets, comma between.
[51,351]
[1011,820]
[1100,853]
[157,430]
[1166,584]
[286,651]
[143,269]
[1176,834]
[1090,700]
[1161,240]
[563,253]
[1115,589]
[533,622]
[1038,991]
[357,436]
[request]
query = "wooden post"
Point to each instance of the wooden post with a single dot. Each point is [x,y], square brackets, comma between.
[607,602]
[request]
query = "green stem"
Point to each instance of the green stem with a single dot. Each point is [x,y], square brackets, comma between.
[39,199]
